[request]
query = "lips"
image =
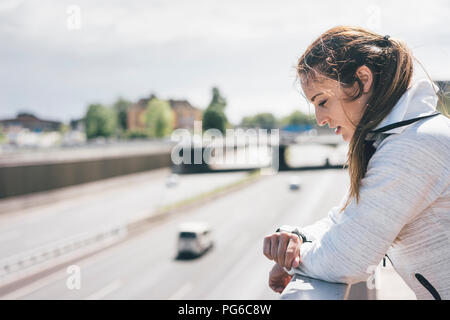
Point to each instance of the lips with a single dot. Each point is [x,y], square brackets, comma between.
[338,130]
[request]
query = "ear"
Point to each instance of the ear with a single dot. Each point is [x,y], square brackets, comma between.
[366,76]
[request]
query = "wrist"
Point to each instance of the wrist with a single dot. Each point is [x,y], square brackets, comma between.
[294,230]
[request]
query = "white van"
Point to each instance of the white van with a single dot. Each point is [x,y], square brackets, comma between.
[194,238]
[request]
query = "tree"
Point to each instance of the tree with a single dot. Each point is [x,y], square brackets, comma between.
[63,128]
[297,118]
[100,121]
[264,120]
[248,122]
[217,99]
[121,108]
[159,118]
[214,116]
[443,105]
[2,136]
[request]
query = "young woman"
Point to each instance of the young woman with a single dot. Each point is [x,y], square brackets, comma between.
[398,203]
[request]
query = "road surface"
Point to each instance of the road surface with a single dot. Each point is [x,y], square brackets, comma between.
[87,209]
[145,266]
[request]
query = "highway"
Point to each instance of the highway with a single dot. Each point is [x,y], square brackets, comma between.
[90,208]
[145,266]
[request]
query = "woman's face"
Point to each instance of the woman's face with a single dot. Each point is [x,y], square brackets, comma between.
[332,105]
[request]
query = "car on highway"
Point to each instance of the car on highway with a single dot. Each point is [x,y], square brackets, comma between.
[194,238]
[294,183]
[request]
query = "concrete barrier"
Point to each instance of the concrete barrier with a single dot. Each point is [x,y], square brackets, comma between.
[27,178]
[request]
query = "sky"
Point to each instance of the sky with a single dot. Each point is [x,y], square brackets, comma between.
[58,56]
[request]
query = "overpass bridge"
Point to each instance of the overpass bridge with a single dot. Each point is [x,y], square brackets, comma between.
[228,154]
[41,170]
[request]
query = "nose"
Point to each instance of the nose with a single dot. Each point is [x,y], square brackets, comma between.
[321,117]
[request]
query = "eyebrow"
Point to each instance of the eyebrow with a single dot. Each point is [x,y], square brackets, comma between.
[312,99]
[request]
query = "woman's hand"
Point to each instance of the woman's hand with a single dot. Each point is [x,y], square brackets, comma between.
[278,279]
[283,248]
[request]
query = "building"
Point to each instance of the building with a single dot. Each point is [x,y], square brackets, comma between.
[30,122]
[185,114]
[136,112]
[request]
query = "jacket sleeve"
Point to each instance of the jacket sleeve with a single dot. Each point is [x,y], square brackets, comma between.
[403,178]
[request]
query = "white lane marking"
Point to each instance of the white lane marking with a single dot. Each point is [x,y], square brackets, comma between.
[102,293]
[180,293]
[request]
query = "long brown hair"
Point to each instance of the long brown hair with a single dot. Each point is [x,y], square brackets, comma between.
[337,54]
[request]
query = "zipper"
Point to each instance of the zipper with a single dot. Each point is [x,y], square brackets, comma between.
[423,281]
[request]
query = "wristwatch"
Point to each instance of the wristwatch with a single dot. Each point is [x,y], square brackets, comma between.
[294,230]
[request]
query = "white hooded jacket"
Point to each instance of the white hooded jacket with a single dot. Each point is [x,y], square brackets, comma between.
[403,211]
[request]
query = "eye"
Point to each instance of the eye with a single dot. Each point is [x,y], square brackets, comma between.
[322,104]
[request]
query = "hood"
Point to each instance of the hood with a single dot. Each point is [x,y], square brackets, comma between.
[419,100]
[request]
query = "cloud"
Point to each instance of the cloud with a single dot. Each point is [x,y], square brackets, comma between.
[181,48]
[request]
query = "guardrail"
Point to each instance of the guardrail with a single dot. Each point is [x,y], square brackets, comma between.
[304,288]
[32,262]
